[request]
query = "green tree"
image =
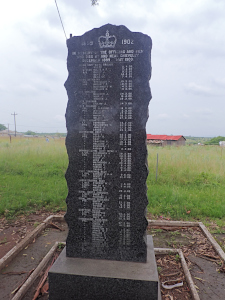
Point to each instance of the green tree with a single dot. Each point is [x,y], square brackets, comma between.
[29,132]
[2,127]
[215,140]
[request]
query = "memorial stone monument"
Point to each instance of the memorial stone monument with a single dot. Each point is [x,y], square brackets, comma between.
[107,254]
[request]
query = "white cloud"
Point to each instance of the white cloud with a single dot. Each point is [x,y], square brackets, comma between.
[26,89]
[199,90]
[185,116]
[203,111]
[219,82]
[162,116]
[60,118]
[187,59]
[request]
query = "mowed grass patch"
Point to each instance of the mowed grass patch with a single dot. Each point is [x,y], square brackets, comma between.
[190,182]
[32,175]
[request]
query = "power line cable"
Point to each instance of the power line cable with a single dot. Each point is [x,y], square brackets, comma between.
[38,126]
[60,19]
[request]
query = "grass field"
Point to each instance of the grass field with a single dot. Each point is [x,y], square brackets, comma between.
[190,181]
[32,174]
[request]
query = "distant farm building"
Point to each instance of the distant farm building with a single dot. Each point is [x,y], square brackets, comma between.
[165,140]
[7,132]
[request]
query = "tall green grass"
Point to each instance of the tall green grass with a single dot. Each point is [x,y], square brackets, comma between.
[190,182]
[32,175]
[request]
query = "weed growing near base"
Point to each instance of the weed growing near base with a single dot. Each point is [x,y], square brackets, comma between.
[190,182]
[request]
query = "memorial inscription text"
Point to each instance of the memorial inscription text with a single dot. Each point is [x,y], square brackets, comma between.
[104,125]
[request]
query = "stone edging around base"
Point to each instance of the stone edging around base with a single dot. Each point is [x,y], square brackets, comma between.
[31,279]
[187,273]
[28,239]
[205,231]
[25,287]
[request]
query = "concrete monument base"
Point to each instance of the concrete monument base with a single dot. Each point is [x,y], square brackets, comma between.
[95,279]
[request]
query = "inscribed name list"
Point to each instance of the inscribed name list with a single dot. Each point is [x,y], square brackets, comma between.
[108,96]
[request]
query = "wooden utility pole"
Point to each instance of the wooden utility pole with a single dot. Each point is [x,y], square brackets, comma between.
[157,163]
[14,120]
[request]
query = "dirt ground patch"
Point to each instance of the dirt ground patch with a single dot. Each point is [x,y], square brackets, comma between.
[206,267]
[18,270]
[13,231]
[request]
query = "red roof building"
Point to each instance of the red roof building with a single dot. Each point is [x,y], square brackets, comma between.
[166,140]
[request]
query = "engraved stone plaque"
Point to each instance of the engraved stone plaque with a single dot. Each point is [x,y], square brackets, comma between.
[108,96]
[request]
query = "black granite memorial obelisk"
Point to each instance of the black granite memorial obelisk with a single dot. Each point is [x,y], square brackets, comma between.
[108,96]
[108,90]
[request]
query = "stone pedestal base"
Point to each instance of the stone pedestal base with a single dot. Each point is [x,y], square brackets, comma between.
[95,279]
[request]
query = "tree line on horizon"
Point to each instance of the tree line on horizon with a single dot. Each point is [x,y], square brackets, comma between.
[212,141]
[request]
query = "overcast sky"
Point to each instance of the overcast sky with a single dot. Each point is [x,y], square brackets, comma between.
[188,60]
